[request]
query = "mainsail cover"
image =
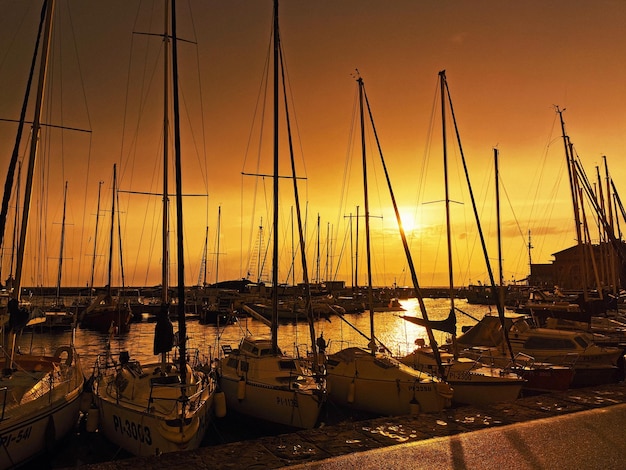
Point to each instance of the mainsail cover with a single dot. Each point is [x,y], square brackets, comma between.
[448,325]
[163,331]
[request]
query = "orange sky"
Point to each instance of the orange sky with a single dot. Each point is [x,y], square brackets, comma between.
[507,65]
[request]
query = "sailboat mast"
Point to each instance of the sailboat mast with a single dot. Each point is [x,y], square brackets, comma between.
[112,230]
[95,239]
[16,219]
[356,254]
[499,231]
[217,255]
[43,68]
[165,227]
[571,172]
[182,324]
[274,324]
[370,292]
[317,252]
[62,242]
[442,84]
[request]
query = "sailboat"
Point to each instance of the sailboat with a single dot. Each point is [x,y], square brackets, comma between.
[107,313]
[372,380]
[58,315]
[537,376]
[258,379]
[39,394]
[473,382]
[163,406]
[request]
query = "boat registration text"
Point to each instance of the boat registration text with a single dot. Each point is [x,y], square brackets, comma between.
[137,431]
[22,435]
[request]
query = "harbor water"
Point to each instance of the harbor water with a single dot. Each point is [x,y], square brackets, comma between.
[397,334]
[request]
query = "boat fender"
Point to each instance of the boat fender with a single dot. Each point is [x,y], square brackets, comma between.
[351,392]
[85,401]
[241,389]
[92,419]
[414,407]
[86,398]
[220,404]
[66,349]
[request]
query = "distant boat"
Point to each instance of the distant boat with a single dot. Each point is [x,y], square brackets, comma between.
[162,406]
[107,313]
[592,364]
[39,393]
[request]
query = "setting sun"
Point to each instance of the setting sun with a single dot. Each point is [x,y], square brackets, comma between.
[410,220]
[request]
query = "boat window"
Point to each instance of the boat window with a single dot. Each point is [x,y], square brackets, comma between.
[549,343]
[580,340]
[232,362]
[249,348]
[287,364]
[244,366]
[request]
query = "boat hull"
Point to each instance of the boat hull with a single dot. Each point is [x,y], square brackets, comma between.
[145,420]
[474,383]
[290,408]
[381,385]
[32,428]
[145,434]
[473,388]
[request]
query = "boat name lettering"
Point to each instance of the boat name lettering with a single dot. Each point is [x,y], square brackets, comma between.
[22,435]
[137,431]
[291,402]
[421,388]
[460,375]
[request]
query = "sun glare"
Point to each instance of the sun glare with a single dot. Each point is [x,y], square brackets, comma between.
[409,221]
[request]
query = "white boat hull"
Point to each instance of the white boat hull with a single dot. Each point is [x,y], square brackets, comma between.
[382,385]
[292,408]
[129,423]
[473,383]
[32,428]
[144,434]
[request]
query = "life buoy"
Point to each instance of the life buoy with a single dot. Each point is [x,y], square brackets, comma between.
[70,354]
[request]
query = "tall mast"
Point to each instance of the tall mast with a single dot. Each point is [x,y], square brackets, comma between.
[500,270]
[452,294]
[112,230]
[317,252]
[370,292]
[356,254]
[15,222]
[165,228]
[95,239]
[43,68]
[61,248]
[217,255]
[182,324]
[8,184]
[442,84]
[571,172]
[274,324]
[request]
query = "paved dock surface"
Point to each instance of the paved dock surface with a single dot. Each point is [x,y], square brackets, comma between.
[578,429]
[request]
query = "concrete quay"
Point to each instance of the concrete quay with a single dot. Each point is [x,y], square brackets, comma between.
[580,428]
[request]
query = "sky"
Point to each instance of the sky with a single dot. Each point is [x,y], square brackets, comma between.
[508,64]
